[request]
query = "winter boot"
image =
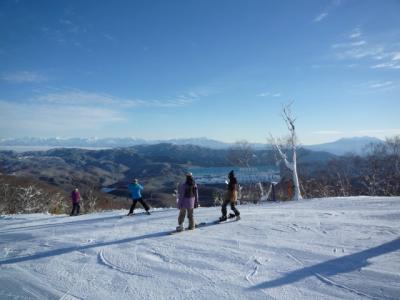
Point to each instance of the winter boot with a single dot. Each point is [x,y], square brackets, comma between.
[148,213]
[179,228]
[223,218]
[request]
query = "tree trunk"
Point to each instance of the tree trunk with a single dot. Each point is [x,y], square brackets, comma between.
[297,193]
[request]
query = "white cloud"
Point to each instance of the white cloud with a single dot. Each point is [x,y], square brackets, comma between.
[71,27]
[379,132]
[109,37]
[356,33]
[356,47]
[23,77]
[327,132]
[396,56]
[30,118]
[388,65]
[320,17]
[83,98]
[73,110]
[332,5]
[268,94]
[352,133]
[376,86]
[381,84]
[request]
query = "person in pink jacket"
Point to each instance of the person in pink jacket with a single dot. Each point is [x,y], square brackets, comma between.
[76,199]
[188,200]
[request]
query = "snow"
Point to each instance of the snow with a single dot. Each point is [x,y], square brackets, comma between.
[332,248]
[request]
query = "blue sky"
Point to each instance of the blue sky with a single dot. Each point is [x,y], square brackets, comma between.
[216,69]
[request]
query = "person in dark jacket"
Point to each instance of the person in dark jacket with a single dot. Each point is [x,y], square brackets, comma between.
[136,192]
[76,199]
[188,200]
[230,198]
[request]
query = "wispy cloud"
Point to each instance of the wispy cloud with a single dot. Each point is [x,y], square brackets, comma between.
[357,47]
[109,37]
[352,133]
[327,10]
[320,17]
[392,61]
[269,94]
[70,26]
[35,118]
[377,85]
[23,77]
[84,98]
[327,132]
[72,110]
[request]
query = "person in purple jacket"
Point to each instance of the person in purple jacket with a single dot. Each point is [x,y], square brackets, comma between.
[188,200]
[76,199]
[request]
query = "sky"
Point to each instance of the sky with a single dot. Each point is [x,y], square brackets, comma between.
[210,68]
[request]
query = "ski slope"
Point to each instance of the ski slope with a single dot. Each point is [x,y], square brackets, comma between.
[332,248]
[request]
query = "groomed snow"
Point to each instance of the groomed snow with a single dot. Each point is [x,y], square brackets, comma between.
[333,248]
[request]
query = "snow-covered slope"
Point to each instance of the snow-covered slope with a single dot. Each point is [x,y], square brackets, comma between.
[337,248]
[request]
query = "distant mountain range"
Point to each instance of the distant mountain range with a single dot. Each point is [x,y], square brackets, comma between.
[107,142]
[339,147]
[345,145]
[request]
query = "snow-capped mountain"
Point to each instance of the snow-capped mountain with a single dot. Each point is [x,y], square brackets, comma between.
[339,147]
[107,142]
[345,145]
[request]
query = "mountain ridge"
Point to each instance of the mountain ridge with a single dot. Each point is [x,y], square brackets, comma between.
[338,147]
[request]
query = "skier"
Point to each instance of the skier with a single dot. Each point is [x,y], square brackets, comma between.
[135,188]
[188,200]
[76,198]
[230,198]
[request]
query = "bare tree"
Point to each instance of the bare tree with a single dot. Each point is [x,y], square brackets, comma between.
[240,154]
[292,145]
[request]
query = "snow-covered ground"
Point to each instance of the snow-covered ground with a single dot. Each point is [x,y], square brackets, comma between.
[336,248]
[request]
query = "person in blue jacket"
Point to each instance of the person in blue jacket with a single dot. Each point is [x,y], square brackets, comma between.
[136,192]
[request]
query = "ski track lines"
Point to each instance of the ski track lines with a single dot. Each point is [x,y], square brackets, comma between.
[266,255]
[330,281]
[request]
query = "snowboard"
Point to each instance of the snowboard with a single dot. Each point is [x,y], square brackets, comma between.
[229,219]
[187,229]
[135,214]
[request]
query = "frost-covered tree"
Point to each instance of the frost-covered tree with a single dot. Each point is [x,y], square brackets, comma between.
[31,198]
[292,149]
[241,155]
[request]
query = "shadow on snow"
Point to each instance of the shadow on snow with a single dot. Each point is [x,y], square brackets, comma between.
[332,267]
[61,251]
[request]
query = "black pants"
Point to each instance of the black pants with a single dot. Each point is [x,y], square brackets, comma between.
[75,206]
[144,204]
[233,207]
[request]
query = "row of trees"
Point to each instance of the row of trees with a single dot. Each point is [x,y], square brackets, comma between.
[377,173]
[25,195]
